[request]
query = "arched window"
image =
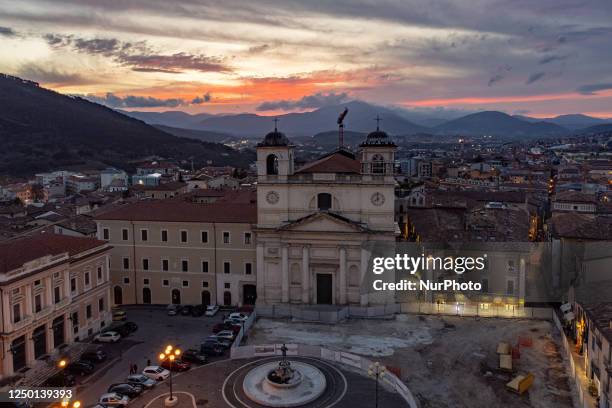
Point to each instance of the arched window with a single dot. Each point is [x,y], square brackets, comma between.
[272,164]
[324,201]
[378,164]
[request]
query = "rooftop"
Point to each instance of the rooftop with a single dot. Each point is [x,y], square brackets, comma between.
[15,253]
[339,161]
[184,211]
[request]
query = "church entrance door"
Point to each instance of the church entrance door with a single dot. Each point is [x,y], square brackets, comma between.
[324,289]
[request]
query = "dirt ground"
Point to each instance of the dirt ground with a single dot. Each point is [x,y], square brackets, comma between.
[447,362]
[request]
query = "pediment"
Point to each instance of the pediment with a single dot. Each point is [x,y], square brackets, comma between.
[323,222]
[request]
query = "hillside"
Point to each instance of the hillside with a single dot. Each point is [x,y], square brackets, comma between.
[499,124]
[177,119]
[203,135]
[42,130]
[330,139]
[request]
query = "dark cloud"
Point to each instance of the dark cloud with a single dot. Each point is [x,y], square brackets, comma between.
[138,56]
[134,101]
[500,73]
[536,76]
[7,32]
[201,99]
[48,75]
[256,49]
[592,89]
[316,100]
[495,78]
[553,58]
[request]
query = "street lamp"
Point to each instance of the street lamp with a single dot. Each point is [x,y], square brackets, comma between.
[75,404]
[62,365]
[377,372]
[169,354]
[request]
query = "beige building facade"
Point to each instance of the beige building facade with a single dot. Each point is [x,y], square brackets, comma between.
[181,252]
[314,223]
[54,290]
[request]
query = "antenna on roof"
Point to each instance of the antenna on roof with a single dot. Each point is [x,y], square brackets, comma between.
[341,128]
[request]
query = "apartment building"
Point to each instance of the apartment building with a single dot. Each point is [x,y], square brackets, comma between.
[54,290]
[173,251]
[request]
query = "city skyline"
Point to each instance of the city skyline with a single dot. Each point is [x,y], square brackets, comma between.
[277,57]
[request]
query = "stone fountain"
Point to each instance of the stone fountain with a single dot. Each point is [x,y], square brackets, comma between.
[284,383]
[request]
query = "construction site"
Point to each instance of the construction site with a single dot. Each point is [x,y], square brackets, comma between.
[448,361]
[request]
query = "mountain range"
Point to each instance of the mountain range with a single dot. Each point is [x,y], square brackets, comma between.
[42,130]
[361,119]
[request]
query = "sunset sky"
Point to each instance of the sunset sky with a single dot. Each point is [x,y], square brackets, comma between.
[541,58]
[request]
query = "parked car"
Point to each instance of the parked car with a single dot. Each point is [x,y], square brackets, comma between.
[156,373]
[235,321]
[61,379]
[82,367]
[226,334]
[235,328]
[225,343]
[94,356]
[212,310]
[112,399]
[197,311]
[173,310]
[123,328]
[119,315]
[142,380]
[129,390]
[193,356]
[177,365]
[186,310]
[107,337]
[238,316]
[212,348]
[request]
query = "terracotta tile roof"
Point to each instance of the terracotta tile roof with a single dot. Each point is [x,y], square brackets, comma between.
[333,163]
[172,186]
[581,226]
[183,211]
[571,196]
[14,253]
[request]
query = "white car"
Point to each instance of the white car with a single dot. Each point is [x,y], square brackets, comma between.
[211,310]
[156,373]
[114,399]
[225,334]
[238,316]
[107,337]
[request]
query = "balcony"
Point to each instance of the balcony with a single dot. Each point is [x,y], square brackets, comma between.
[43,312]
[62,303]
[22,323]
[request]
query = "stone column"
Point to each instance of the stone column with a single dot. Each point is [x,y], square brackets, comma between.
[68,325]
[29,347]
[306,274]
[28,300]
[7,315]
[261,277]
[7,361]
[66,288]
[49,334]
[365,286]
[49,291]
[285,273]
[342,278]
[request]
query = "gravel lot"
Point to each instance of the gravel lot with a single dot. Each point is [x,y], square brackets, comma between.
[446,361]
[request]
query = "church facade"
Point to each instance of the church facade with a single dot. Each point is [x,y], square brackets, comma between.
[314,223]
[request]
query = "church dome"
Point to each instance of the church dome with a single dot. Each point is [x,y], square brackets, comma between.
[274,138]
[378,138]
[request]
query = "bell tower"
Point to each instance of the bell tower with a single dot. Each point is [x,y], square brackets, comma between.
[378,153]
[274,156]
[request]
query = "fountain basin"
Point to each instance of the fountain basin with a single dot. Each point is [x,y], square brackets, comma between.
[308,384]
